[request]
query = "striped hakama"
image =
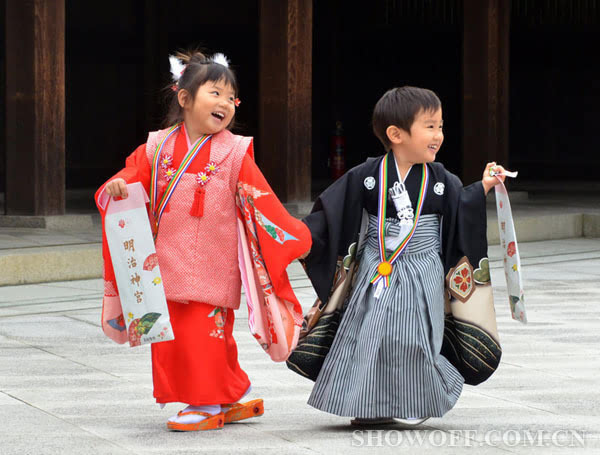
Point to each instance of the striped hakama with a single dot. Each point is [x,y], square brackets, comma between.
[385,359]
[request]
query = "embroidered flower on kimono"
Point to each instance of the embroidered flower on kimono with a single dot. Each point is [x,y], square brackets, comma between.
[202,178]
[170,173]
[166,161]
[463,280]
[211,168]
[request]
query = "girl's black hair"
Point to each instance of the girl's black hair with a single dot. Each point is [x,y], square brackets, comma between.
[199,69]
[399,107]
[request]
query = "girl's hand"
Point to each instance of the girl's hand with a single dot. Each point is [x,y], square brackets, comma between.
[117,188]
[489,181]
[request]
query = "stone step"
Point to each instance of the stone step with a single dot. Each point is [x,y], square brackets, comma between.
[51,263]
[547,226]
[56,222]
[84,261]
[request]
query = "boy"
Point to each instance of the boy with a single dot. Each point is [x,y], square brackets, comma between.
[396,354]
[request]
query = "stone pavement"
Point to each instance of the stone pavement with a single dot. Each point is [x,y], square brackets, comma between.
[66,389]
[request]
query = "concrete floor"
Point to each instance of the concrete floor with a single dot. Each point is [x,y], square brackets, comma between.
[67,389]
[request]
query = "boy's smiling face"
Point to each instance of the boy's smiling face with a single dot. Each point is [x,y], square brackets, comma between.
[423,142]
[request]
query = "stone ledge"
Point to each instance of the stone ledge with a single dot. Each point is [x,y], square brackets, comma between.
[55,222]
[591,225]
[76,262]
[541,227]
[43,264]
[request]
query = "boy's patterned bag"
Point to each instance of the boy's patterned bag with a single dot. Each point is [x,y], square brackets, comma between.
[321,322]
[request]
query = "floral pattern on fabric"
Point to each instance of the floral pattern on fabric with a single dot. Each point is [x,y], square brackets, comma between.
[460,280]
[220,316]
[249,193]
[249,190]
[247,204]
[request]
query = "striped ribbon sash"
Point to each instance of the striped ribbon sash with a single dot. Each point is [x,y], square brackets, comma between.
[157,207]
[381,278]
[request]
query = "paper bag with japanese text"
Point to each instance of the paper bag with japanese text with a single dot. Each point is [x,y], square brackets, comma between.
[137,272]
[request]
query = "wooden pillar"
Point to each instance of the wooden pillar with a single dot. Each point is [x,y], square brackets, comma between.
[285,130]
[486,32]
[35,107]
[155,63]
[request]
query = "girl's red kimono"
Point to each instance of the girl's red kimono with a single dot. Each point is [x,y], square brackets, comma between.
[197,248]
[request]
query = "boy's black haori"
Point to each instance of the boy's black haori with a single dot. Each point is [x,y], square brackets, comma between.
[470,339]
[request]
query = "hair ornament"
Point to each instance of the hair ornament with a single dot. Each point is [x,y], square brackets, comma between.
[177,68]
[220,59]
[237,102]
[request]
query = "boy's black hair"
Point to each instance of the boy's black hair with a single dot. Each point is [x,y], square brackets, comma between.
[199,69]
[399,107]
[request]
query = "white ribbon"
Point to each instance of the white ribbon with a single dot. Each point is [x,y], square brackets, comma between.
[510,250]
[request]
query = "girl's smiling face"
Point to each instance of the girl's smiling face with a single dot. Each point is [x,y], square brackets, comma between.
[211,110]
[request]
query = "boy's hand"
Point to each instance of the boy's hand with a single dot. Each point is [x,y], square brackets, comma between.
[489,180]
[117,188]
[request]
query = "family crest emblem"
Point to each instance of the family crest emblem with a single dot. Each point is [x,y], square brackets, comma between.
[370,183]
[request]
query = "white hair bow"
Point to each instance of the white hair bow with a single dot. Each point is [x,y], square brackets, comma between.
[177,68]
[221,59]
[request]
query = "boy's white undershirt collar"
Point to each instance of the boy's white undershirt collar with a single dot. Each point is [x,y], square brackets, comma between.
[400,179]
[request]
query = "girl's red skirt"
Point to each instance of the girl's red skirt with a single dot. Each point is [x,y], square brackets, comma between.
[200,366]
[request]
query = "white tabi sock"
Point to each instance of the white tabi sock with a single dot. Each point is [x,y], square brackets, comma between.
[212,409]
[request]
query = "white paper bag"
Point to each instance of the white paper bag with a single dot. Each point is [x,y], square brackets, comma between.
[136,268]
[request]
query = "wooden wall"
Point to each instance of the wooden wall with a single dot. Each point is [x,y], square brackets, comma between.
[35,107]
[117,68]
[359,53]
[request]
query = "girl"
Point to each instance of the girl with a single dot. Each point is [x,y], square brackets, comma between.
[395,354]
[193,171]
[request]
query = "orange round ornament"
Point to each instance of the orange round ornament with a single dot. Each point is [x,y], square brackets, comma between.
[384,268]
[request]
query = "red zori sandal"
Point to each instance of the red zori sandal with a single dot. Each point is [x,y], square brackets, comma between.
[241,411]
[212,422]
